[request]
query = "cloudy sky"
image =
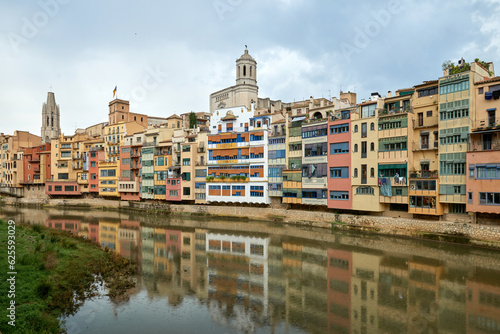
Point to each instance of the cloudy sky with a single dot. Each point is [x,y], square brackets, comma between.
[167,57]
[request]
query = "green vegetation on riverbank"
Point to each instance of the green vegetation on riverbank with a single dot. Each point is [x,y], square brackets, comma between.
[56,272]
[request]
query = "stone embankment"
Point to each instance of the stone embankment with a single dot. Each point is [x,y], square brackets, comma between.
[458,232]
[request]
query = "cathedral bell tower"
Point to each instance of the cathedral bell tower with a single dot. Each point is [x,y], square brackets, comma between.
[246,70]
[51,127]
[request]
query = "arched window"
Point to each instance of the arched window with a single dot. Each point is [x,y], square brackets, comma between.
[355,147]
[317,115]
[355,172]
[239,70]
[372,172]
[250,70]
[372,147]
[356,128]
[244,70]
[372,126]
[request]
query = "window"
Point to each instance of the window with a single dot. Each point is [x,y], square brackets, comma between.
[339,148]
[356,128]
[454,87]
[469,197]
[428,91]
[355,172]
[339,128]
[429,113]
[368,111]
[363,149]
[314,131]
[186,191]
[372,147]
[488,198]
[186,162]
[457,208]
[372,126]
[365,191]
[339,195]
[62,176]
[355,147]
[339,172]
[363,130]
[372,172]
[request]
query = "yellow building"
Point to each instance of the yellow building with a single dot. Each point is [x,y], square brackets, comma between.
[456,109]
[364,158]
[423,175]
[394,154]
[109,169]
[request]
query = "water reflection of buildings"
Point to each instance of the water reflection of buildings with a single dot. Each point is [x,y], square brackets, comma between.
[238,279]
[254,280]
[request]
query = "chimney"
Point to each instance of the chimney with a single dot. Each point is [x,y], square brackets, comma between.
[389,94]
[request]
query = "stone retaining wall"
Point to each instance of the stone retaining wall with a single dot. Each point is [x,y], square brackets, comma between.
[488,235]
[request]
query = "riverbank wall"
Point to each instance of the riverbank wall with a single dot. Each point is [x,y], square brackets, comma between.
[457,232]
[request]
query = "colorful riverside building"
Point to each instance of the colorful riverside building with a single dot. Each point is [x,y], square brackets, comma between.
[129,183]
[11,156]
[483,154]
[456,109]
[393,153]
[292,175]
[36,166]
[364,134]
[423,189]
[315,160]
[277,159]
[339,160]
[238,157]
[67,162]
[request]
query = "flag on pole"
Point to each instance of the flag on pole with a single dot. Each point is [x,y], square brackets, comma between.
[114,91]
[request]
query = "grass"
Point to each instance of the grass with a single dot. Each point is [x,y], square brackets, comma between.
[56,273]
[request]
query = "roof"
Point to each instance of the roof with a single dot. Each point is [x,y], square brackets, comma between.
[174,116]
[280,121]
[495,79]
[425,83]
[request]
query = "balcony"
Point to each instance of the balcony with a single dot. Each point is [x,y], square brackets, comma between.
[201,150]
[32,159]
[392,112]
[486,124]
[395,181]
[424,146]
[426,174]
[484,145]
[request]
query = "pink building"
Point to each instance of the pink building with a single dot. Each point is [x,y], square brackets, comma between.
[339,290]
[173,192]
[58,188]
[96,154]
[339,165]
[483,155]
[129,184]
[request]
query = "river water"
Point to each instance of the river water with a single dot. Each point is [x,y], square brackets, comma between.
[213,276]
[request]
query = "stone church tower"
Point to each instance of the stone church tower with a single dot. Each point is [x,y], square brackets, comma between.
[244,91]
[51,127]
[246,70]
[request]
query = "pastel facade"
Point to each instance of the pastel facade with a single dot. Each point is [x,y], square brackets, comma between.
[364,156]
[339,161]
[456,108]
[394,123]
[238,151]
[483,155]
[423,189]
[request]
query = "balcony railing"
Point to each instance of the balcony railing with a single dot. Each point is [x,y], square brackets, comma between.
[485,124]
[388,112]
[420,146]
[492,145]
[425,174]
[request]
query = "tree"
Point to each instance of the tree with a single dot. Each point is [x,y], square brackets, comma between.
[192,120]
[447,64]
